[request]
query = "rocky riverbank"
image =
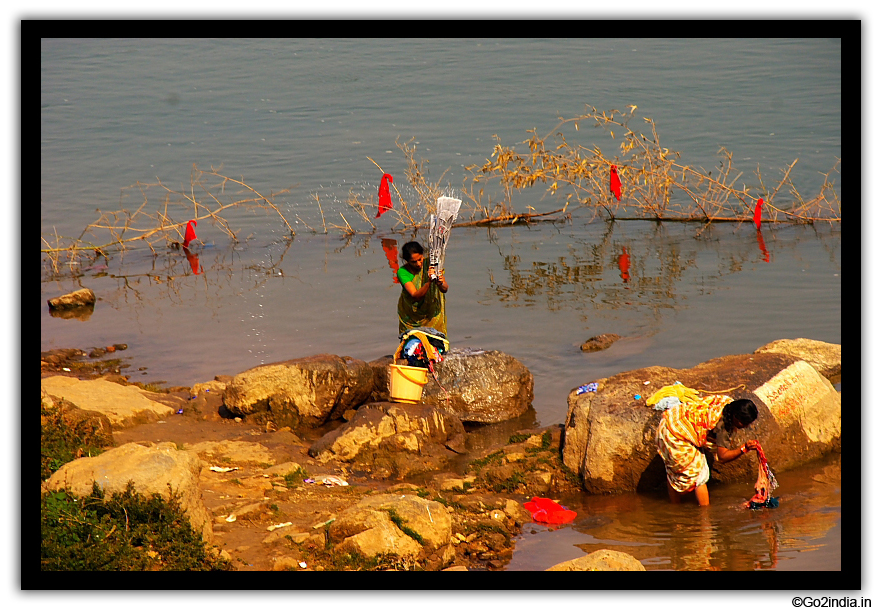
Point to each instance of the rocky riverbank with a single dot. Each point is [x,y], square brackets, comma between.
[307,465]
[270,497]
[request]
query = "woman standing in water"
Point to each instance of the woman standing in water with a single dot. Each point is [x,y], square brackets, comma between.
[688,428]
[422,300]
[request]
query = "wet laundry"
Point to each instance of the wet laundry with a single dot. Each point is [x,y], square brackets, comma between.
[765,484]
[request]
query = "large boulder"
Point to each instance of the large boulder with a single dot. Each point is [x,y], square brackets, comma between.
[603,560]
[404,525]
[475,385]
[151,469]
[826,358]
[305,392]
[393,439]
[610,434]
[124,406]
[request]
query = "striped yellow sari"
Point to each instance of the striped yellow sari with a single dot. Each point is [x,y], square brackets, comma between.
[682,433]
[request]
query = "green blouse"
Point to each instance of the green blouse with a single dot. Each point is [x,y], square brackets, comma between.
[428,312]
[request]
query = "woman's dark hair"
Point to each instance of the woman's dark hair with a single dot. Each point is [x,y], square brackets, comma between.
[409,249]
[742,410]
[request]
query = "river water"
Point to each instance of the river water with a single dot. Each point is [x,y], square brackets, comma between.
[307,114]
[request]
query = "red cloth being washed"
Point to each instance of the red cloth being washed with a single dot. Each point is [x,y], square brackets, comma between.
[765,481]
[549,511]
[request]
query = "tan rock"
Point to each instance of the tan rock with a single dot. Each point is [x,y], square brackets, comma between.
[124,406]
[72,300]
[368,526]
[150,469]
[600,561]
[302,392]
[237,452]
[826,358]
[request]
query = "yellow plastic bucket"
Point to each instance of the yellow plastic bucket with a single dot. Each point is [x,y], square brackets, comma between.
[406,383]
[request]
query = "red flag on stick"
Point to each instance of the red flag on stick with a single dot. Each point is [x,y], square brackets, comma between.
[758,213]
[190,233]
[615,185]
[385,198]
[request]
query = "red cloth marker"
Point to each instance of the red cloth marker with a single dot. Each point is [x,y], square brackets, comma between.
[385,197]
[758,213]
[615,185]
[190,233]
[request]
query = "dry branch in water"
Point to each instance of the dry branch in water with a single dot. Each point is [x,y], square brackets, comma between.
[654,184]
[163,224]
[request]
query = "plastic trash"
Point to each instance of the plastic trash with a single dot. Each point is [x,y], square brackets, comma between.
[588,387]
[223,469]
[330,480]
[637,397]
[324,523]
[666,403]
[278,526]
[545,510]
[302,564]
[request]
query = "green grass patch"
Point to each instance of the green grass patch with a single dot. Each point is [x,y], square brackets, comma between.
[126,532]
[295,477]
[510,484]
[401,524]
[60,443]
[495,457]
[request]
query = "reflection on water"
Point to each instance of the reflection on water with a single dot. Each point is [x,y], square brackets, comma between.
[625,265]
[390,249]
[762,245]
[725,536]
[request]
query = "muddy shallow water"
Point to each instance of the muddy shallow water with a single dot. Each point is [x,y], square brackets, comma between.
[803,533]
